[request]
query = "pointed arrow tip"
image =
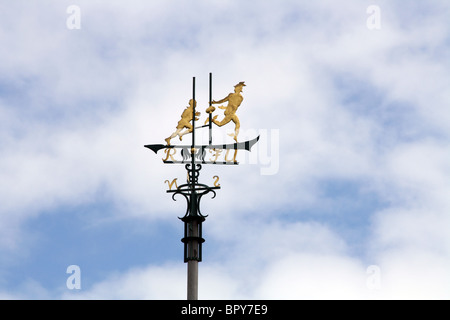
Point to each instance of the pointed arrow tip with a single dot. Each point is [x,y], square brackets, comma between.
[155,147]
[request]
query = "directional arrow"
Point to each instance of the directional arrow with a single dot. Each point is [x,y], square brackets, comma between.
[246,145]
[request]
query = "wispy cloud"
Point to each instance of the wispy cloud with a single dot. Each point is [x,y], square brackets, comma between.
[361,116]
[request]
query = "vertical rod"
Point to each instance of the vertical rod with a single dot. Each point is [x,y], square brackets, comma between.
[192,265]
[192,292]
[193,115]
[193,136]
[193,196]
[210,104]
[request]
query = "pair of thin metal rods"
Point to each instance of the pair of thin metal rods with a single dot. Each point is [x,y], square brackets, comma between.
[193,121]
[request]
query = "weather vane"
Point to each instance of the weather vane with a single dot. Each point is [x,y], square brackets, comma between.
[193,156]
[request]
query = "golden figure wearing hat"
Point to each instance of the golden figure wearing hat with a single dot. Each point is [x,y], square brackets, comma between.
[185,122]
[234,101]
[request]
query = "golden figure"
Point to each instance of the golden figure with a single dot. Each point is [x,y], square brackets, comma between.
[185,122]
[234,101]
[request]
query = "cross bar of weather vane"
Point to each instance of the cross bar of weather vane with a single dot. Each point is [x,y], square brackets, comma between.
[246,145]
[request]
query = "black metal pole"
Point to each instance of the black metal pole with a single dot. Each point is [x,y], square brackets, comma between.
[193,192]
[193,224]
[210,104]
[193,132]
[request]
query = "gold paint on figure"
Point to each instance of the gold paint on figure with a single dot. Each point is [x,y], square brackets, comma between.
[185,122]
[210,110]
[234,101]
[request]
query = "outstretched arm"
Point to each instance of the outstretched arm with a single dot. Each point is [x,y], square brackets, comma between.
[221,101]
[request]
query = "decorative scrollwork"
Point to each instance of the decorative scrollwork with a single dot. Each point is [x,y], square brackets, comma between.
[200,197]
[196,172]
[187,200]
[195,195]
[193,191]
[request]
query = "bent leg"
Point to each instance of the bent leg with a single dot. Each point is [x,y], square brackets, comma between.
[189,129]
[235,119]
[172,136]
[223,122]
[238,126]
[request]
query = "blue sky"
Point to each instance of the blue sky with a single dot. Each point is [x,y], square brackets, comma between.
[352,169]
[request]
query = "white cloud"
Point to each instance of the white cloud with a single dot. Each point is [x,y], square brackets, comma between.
[255,264]
[93,97]
[163,282]
[301,261]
